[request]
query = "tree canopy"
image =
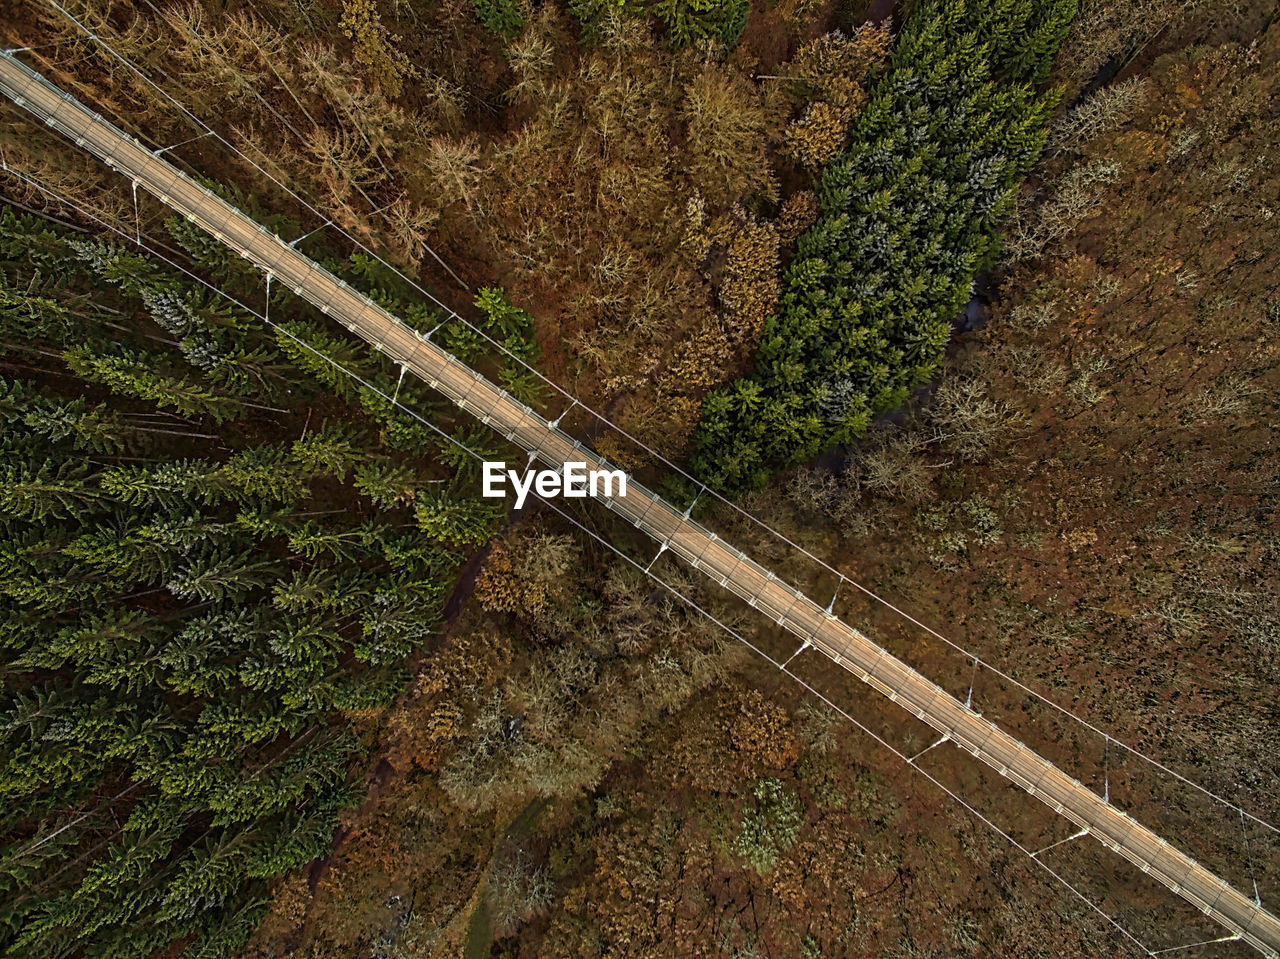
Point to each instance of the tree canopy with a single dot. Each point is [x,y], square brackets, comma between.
[908,214]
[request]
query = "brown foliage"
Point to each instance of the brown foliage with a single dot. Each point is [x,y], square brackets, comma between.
[78,178]
[818,134]
[432,714]
[375,45]
[829,73]
[725,124]
[496,586]
[618,450]
[750,284]
[700,362]
[798,213]
[525,572]
[760,732]
[523,575]
[292,104]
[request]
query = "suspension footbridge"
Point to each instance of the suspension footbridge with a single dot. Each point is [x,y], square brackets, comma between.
[672,529]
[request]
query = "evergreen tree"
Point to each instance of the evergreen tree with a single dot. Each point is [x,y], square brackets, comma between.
[188,609]
[908,214]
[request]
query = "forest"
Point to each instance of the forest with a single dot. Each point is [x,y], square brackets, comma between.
[278,681]
[203,587]
[907,216]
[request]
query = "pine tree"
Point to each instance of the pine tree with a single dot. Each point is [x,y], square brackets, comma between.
[386,482]
[134,374]
[218,575]
[45,491]
[333,450]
